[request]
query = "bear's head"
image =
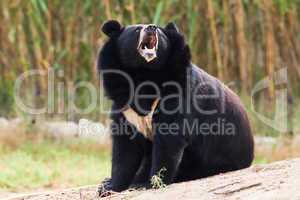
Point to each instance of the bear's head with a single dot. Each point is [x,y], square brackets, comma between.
[145,45]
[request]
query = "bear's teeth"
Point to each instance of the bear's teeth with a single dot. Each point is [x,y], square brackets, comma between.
[146,49]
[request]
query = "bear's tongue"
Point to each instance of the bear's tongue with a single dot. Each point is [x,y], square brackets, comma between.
[147,46]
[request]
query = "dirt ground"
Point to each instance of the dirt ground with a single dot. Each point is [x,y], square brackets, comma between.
[280,180]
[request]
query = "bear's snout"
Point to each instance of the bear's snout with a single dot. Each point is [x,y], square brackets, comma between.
[151,29]
[148,42]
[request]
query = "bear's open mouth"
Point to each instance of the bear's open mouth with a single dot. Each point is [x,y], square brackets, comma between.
[148,43]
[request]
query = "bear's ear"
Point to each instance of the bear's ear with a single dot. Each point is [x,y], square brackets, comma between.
[172,26]
[112,28]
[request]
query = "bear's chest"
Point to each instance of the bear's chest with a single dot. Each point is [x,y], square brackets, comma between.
[142,123]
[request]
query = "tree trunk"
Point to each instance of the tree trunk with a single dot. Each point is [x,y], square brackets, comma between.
[269,45]
[241,42]
[215,39]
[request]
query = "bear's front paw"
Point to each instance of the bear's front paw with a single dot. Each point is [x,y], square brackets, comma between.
[105,189]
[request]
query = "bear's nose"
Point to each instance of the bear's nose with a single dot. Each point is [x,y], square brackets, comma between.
[150,30]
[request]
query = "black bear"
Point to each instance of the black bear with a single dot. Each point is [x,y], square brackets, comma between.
[199,126]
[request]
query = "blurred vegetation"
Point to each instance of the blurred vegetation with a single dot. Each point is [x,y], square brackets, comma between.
[30,162]
[239,41]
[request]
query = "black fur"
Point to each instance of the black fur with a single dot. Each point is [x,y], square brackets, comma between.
[112,28]
[186,155]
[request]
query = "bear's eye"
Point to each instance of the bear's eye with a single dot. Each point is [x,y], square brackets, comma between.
[138,29]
